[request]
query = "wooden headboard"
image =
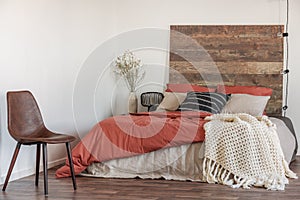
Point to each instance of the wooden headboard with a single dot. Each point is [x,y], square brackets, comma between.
[230,55]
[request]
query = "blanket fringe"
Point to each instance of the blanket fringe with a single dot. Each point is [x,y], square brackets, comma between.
[213,172]
[289,173]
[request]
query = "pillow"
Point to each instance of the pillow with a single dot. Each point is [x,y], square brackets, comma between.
[253,90]
[204,101]
[171,101]
[173,87]
[246,103]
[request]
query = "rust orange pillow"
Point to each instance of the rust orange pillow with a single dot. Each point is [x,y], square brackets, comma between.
[183,88]
[252,90]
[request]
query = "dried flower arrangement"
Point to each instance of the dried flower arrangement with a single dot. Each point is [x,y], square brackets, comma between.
[130,67]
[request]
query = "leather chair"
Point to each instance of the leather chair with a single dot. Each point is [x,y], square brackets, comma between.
[26,126]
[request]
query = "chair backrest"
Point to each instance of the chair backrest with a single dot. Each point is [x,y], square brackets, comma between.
[151,98]
[23,114]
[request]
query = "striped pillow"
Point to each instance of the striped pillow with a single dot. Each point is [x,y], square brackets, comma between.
[204,101]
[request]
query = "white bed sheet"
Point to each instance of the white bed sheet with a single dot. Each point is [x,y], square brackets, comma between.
[179,163]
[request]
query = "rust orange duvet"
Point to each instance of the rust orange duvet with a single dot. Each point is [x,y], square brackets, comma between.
[135,134]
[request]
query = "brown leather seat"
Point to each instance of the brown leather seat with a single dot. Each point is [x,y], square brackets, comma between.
[26,126]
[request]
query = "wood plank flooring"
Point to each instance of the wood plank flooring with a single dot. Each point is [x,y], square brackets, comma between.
[101,188]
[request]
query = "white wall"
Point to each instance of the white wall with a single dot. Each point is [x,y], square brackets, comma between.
[43,44]
[61,51]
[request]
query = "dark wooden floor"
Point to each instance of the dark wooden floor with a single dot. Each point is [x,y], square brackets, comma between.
[100,188]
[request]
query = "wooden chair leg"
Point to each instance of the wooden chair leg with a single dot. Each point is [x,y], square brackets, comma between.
[45,168]
[71,164]
[11,166]
[37,164]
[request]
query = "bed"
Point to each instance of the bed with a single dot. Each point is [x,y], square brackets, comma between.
[183,162]
[166,143]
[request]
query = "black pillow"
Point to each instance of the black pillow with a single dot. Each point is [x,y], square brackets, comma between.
[204,101]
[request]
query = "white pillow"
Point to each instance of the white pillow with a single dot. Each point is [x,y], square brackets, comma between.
[246,103]
[171,101]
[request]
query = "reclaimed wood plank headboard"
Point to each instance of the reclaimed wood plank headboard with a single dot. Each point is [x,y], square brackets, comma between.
[230,55]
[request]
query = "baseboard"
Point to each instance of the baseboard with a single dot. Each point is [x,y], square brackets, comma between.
[56,162]
[15,175]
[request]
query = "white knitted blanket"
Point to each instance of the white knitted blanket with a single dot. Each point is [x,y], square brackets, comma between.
[242,150]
